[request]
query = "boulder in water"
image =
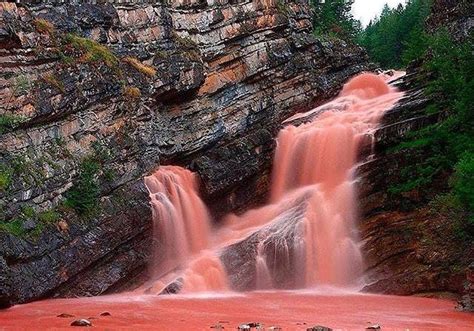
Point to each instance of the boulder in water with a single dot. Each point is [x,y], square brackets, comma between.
[105,313]
[81,322]
[319,328]
[374,327]
[174,287]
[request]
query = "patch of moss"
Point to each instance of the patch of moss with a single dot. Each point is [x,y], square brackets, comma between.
[41,220]
[91,50]
[139,66]
[21,85]
[28,212]
[43,26]
[14,227]
[31,172]
[188,45]
[282,7]
[49,216]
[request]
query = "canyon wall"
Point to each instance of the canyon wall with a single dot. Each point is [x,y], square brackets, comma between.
[95,97]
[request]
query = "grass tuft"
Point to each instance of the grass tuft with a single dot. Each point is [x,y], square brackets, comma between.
[91,50]
[139,66]
[52,80]
[43,26]
[131,92]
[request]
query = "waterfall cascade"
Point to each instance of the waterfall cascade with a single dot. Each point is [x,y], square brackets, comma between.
[307,235]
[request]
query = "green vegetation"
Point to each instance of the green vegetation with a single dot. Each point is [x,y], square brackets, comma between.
[463,182]
[14,227]
[21,85]
[83,197]
[397,36]
[5,177]
[49,216]
[91,50]
[191,49]
[283,7]
[448,144]
[17,226]
[9,122]
[333,18]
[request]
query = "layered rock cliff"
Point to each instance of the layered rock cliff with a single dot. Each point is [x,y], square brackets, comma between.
[94,97]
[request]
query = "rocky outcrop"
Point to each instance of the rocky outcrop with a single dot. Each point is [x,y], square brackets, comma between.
[94,97]
[457,16]
[467,301]
[276,245]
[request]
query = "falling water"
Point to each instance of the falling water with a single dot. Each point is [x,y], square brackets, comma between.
[307,235]
[182,224]
[321,155]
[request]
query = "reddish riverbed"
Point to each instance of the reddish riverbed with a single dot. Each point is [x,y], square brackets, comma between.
[291,311]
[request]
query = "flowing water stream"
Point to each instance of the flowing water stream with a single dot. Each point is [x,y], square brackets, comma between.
[300,251]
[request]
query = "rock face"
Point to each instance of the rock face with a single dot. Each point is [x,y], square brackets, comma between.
[457,16]
[276,244]
[94,97]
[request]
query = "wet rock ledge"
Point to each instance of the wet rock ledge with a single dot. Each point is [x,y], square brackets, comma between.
[94,97]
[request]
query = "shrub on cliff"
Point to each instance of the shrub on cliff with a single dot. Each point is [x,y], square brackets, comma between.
[463,183]
[139,66]
[83,196]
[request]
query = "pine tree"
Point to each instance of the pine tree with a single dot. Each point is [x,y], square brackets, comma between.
[334,18]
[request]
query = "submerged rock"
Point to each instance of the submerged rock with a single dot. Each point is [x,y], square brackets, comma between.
[81,322]
[105,313]
[319,328]
[64,315]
